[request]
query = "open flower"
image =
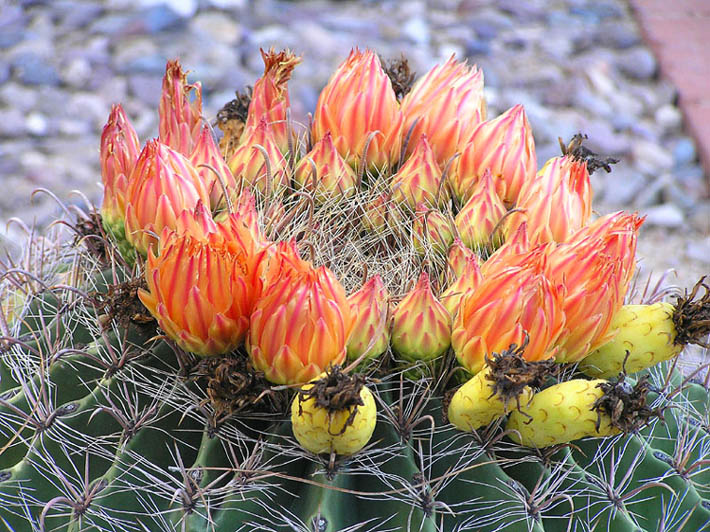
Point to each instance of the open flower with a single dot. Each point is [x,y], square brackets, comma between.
[162,185]
[445,105]
[360,109]
[119,152]
[299,326]
[503,309]
[505,146]
[269,98]
[180,118]
[324,172]
[201,287]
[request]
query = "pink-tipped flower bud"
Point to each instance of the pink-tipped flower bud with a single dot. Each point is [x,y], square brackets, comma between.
[431,231]
[419,179]
[458,257]
[468,281]
[180,118]
[505,146]
[369,308]
[162,185]
[445,105]
[324,171]
[479,219]
[259,163]
[421,325]
[269,97]
[359,107]
[557,202]
[214,172]
[119,152]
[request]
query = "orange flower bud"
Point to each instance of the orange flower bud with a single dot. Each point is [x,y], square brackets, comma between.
[431,230]
[505,146]
[369,308]
[180,118]
[468,281]
[119,152]
[269,98]
[458,257]
[249,161]
[419,179]
[592,281]
[209,163]
[480,216]
[359,107]
[421,325]
[324,167]
[502,309]
[383,216]
[446,104]
[201,289]
[299,326]
[163,184]
[557,202]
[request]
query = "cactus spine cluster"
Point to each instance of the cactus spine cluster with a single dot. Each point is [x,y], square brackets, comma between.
[389,320]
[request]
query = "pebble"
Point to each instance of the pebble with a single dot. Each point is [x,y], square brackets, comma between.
[637,63]
[684,151]
[32,69]
[669,117]
[699,250]
[665,215]
[650,157]
[36,124]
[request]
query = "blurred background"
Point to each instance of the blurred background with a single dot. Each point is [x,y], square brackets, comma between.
[576,65]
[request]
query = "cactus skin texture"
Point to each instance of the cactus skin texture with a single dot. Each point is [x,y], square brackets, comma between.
[560,414]
[646,332]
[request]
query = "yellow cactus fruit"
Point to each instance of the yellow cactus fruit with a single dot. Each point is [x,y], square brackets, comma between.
[504,384]
[335,414]
[649,334]
[579,408]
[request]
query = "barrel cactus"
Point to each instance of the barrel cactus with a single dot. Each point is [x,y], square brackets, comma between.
[386,319]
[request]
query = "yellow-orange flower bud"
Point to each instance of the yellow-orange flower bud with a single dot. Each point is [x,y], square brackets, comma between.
[383,216]
[480,216]
[505,146]
[359,107]
[445,104]
[207,159]
[369,308]
[299,326]
[421,325]
[325,170]
[201,289]
[431,230]
[557,202]
[119,152]
[458,257]
[269,97]
[419,179]
[163,183]
[180,118]
[518,300]
[469,280]
[258,162]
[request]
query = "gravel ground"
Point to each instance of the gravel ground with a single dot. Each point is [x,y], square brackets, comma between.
[576,65]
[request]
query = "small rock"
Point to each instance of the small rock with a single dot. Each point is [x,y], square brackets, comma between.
[476,47]
[638,63]
[229,4]
[699,250]
[12,124]
[183,8]
[604,141]
[146,88]
[156,19]
[32,69]
[417,30]
[621,186]
[73,128]
[669,117]
[684,152]
[665,215]
[616,34]
[36,124]
[74,15]
[219,27]
[699,218]
[18,96]
[651,158]
[652,193]
[77,72]
[4,72]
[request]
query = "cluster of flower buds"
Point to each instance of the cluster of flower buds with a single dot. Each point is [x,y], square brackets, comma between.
[523,262]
